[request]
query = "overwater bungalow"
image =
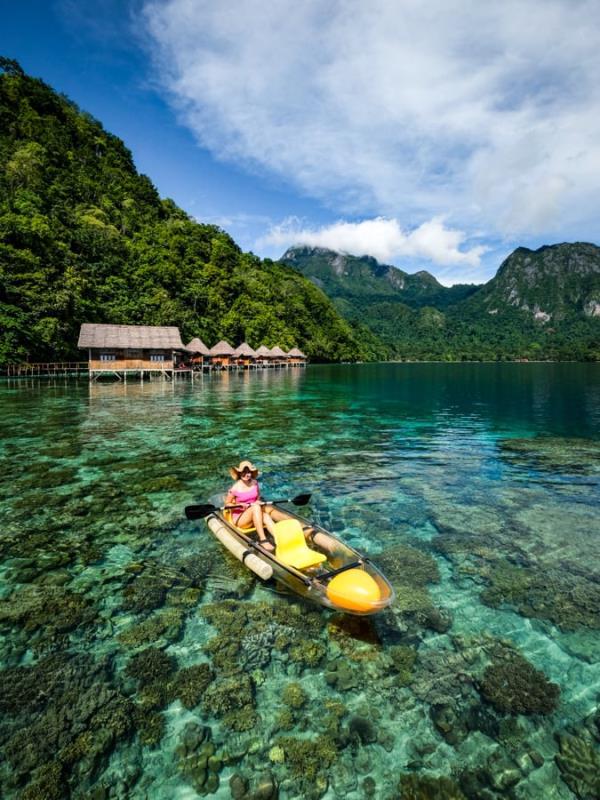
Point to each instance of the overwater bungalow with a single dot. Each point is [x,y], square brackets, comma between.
[222,355]
[297,358]
[199,353]
[124,349]
[263,356]
[279,356]
[245,356]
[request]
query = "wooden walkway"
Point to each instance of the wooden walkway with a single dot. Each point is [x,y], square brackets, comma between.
[80,369]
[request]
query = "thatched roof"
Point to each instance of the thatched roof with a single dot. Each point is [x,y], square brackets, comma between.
[296,353]
[134,337]
[221,348]
[197,346]
[264,352]
[245,350]
[277,351]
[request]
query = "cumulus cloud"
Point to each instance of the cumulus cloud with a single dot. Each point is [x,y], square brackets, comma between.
[382,238]
[487,114]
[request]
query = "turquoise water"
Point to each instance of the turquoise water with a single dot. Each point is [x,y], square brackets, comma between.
[141,661]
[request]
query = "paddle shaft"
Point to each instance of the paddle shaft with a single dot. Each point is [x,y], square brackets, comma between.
[200,511]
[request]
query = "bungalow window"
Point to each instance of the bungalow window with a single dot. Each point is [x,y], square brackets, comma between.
[157,357]
[108,357]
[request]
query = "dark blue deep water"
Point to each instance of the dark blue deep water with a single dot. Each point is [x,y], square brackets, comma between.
[139,660]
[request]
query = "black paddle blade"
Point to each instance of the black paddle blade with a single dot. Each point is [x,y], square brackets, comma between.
[199,512]
[301,499]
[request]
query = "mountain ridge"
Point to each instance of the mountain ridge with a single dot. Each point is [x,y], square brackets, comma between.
[541,303]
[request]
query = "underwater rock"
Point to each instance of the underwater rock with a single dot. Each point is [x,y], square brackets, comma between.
[198,761]
[266,788]
[341,676]
[579,765]
[502,772]
[449,724]
[369,786]
[238,786]
[427,787]
[514,686]
[344,778]
[442,677]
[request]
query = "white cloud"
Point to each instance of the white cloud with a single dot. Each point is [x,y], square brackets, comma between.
[381,238]
[487,114]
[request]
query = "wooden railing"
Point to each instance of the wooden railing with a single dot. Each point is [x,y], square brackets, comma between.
[47,368]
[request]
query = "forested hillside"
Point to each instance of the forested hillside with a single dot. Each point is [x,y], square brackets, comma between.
[85,238]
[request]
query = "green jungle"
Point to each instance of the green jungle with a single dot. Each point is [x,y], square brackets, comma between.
[85,238]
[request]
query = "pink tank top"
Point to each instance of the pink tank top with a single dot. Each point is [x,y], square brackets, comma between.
[248,496]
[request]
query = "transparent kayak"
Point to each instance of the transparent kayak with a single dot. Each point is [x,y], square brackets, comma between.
[309,561]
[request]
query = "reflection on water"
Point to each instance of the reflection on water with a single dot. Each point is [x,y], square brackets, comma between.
[139,660]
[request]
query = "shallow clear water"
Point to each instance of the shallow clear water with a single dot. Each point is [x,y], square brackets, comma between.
[475,487]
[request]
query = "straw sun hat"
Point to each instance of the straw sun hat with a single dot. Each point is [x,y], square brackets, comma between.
[236,472]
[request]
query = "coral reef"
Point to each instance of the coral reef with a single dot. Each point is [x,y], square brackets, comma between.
[46,608]
[579,764]
[233,700]
[190,683]
[151,666]
[162,625]
[514,686]
[405,565]
[555,454]
[294,696]
[62,710]
[568,600]
[307,759]
[403,660]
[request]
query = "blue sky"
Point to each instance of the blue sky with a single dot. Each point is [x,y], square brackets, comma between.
[437,136]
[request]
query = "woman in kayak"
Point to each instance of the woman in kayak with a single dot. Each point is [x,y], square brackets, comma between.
[246,492]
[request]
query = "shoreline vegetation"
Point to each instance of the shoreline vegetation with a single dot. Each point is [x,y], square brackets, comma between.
[85,238]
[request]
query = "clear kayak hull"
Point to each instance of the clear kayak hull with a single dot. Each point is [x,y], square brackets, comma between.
[343,579]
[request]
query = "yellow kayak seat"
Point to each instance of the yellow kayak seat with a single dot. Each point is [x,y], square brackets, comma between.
[291,547]
[229,517]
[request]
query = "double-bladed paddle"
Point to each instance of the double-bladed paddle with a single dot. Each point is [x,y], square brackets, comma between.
[200,511]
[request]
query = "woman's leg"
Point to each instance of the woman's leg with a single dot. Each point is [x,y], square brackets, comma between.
[257,517]
[271,516]
[245,518]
